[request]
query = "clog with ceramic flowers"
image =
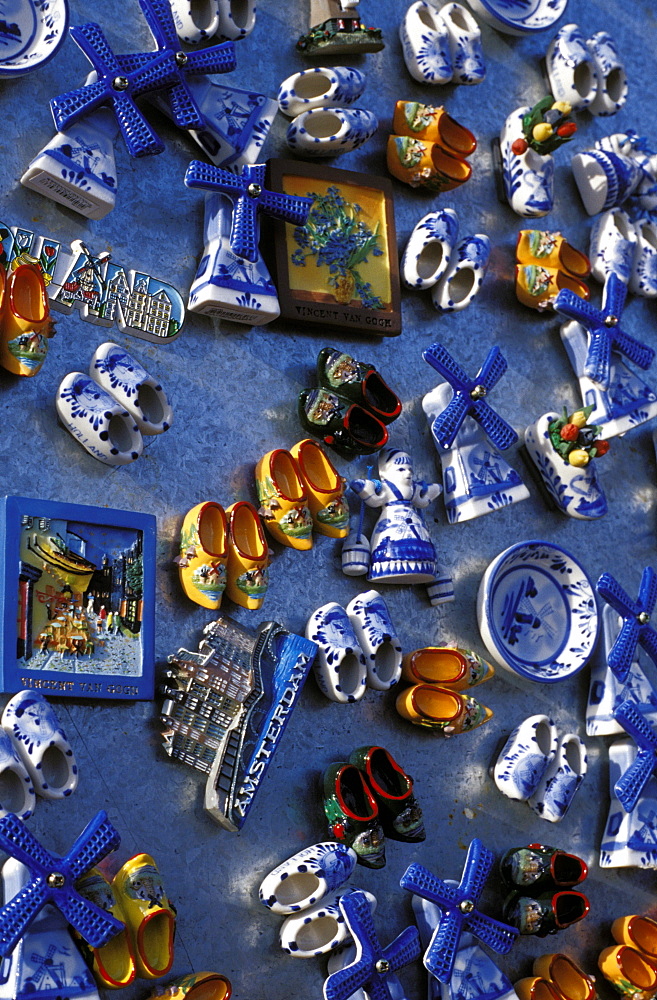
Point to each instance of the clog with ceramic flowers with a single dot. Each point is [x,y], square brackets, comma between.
[447,666]
[114,964]
[637,931]
[203,554]
[149,916]
[353,814]
[537,287]
[359,382]
[392,787]
[436,707]
[425,164]
[26,321]
[431,124]
[247,567]
[545,914]
[324,489]
[629,971]
[283,500]
[551,250]
[196,986]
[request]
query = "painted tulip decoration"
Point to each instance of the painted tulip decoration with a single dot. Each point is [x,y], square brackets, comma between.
[545,127]
[575,440]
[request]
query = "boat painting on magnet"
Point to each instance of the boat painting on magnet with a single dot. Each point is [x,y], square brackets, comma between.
[345,274]
[78,595]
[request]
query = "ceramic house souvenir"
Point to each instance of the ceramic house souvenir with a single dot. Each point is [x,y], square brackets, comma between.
[283,501]
[561,779]
[330,131]
[629,971]
[17,788]
[373,627]
[425,164]
[518,20]
[340,667]
[353,814]
[358,381]
[41,744]
[429,249]
[425,44]
[464,275]
[337,29]
[610,71]
[247,567]
[433,124]
[392,788]
[527,140]
[132,386]
[613,245]
[629,837]
[564,450]
[27,324]
[203,554]
[572,68]
[319,929]
[307,877]
[525,757]
[604,180]
[324,489]
[400,546]
[469,436]
[100,423]
[149,916]
[320,87]
[464,44]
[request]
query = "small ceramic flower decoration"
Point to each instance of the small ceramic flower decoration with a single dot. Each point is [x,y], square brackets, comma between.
[336,29]
[563,449]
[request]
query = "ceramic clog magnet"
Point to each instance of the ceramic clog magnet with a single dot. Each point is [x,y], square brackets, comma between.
[320,87]
[324,489]
[525,757]
[613,245]
[307,877]
[643,279]
[632,974]
[464,275]
[203,554]
[41,744]
[545,914]
[237,18]
[567,465]
[26,325]
[423,121]
[320,928]
[538,286]
[283,500]
[610,72]
[247,567]
[348,428]
[353,814]
[604,180]
[131,385]
[359,382]
[425,164]
[373,627]
[561,779]
[195,20]
[340,666]
[438,708]
[527,174]
[537,868]
[330,131]
[639,932]
[536,988]
[571,68]
[399,810]
[197,986]
[95,418]
[447,666]
[425,44]
[565,976]
[149,916]
[464,44]
[551,250]
[16,786]
[114,964]
[429,249]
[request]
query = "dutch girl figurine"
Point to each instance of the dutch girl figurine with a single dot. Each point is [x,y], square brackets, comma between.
[401,550]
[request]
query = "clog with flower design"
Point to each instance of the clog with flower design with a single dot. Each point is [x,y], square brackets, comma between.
[353,814]
[431,124]
[359,382]
[283,500]
[438,708]
[26,323]
[203,554]
[324,489]
[551,250]
[149,916]
[538,286]
[114,964]
[629,971]
[247,568]
[425,164]
[196,986]
[348,428]
[464,275]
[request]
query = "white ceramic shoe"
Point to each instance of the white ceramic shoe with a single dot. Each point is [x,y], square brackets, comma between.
[643,279]
[17,795]
[131,385]
[195,20]
[237,18]
[464,275]
[42,745]
[523,760]
[98,420]
[370,618]
[320,87]
[610,71]
[529,176]
[425,44]
[339,666]
[320,928]
[429,249]
[307,877]
[464,43]
[613,246]
[571,68]
[330,131]
[604,180]
[561,779]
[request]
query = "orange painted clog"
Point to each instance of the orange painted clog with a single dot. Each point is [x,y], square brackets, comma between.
[25,321]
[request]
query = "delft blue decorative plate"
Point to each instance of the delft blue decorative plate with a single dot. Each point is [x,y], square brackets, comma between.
[31,32]
[519,17]
[537,612]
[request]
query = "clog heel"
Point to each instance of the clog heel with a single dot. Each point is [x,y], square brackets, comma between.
[197,986]
[571,982]
[113,964]
[629,972]
[149,916]
[637,932]
[203,554]
[439,708]
[423,121]
[446,666]
[247,572]
[551,250]
[26,322]
[536,286]
[425,164]
[283,500]
[324,489]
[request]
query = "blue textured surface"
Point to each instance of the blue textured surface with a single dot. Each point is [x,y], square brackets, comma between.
[234,393]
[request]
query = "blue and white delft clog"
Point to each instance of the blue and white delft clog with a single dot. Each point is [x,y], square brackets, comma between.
[131,385]
[340,666]
[319,929]
[464,275]
[373,627]
[464,44]
[524,758]
[42,744]
[560,780]
[643,279]
[613,245]
[528,177]
[429,249]
[195,20]
[426,44]
[612,78]
[237,18]
[320,87]
[330,131]
[604,180]
[101,425]
[571,68]
[307,877]
[17,787]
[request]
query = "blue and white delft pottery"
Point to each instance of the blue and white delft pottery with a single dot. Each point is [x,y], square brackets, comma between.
[525,757]
[321,928]
[401,550]
[42,744]
[612,79]
[195,20]
[643,279]
[429,249]
[528,177]
[464,44]
[575,491]
[537,613]
[613,245]
[98,421]
[17,787]
[464,275]
[604,180]
[320,87]
[561,779]
[132,386]
[519,17]
[425,44]
[346,955]
[307,877]
[629,838]
[330,131]
[376,634]
[33,31]
[607,692]
[571,68]
[237,18]
[340,667]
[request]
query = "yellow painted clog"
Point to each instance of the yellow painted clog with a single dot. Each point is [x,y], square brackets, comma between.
[148,914]
[324,489]
[26,324]
[283,500]
[536,988]
[203,554]
[422,121]
[439,708]
[537,285]
[113,965]
[425,164]
[447,666]
[196,986]
[247,576]
[551,250]
[637,932]
[629,972]
[570,982]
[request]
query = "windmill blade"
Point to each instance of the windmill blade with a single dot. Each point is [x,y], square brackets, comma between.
[18,913]
[598,357]
[613,594]
[634,349]
[497,935]
[185,110]
[139,137]
[636,725]
[17,840]
[440,956]
[575,307]
[404,949]
[90,38]
[622,652]
[244,229]
[648,590]
[629,786]
[500,433]
[448,423]
[98,838]
[492,369]
[342,984]
[205,175]
[217,59]
[69,107]
[288,208]
[158,74]
[613,295]
[160,22]
[96,926]
[476,870]
[419,880]
[648,639]
[439,358]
